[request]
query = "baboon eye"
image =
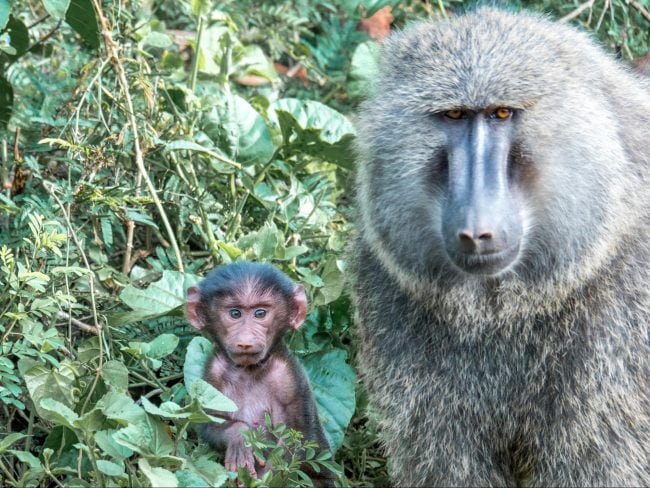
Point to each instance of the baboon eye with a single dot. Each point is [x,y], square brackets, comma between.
[234,313]
[260,313]
[502,113]
[455,114]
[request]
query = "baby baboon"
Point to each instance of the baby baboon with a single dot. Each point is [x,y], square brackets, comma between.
[246,308]
[502,263]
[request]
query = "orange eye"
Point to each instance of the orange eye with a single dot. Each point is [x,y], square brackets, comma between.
[454,114]
[502,113]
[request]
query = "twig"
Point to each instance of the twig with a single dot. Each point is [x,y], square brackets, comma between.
[78,323]
[639,8]
[111,49]
[573,14]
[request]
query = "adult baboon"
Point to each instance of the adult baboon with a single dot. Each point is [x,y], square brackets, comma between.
[503,256]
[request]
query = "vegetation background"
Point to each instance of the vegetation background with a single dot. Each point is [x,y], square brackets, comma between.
[143,143]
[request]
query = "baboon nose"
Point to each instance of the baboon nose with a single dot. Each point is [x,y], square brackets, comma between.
[480,242]
[244,347]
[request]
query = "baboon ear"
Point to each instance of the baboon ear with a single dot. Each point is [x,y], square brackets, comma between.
[193,306]
[299,311]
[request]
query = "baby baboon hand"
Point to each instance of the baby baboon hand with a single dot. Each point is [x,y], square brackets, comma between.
[240,456]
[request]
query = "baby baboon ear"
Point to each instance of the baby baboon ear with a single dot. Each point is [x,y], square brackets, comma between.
[193,306]
[299,312]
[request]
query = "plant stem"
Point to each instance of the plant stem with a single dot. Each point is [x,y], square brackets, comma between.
[197,49]
[111,49]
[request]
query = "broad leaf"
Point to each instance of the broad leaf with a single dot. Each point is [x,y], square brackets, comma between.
[10,439]
[149,438]
[56,8]
[60,413]
[83,20]
[116,375]
[332,380]
[199,351]
[240,132]
[309,127]
[160,298]
[211,398]
[159,477]
[110,468]
[104,439]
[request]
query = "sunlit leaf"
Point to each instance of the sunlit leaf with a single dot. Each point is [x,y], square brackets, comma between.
[56,8]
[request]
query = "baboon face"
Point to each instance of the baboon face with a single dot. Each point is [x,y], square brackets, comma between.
[487,156]
[480,226]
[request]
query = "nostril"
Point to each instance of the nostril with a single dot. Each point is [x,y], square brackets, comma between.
[244,347]
[466,242]
[485,236]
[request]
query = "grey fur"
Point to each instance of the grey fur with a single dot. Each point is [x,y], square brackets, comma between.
[541,374]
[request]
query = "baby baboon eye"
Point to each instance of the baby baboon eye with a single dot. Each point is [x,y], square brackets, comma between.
[502,113]
[260,313]
[455,114]
[234,313]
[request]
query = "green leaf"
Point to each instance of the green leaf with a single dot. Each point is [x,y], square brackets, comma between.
[161,297]
[201,7]
[5,11]
[159,477]
[333,281]
[83,20]
[215,473]
[91,421]
[364,70]
[332,380]
[251,60]
[172,411]
[265,243]
[149,438]
[19,37]
[45,383]
[104,439]
[157,39]
[116,375]
[240,132]
[10,439]
[199,351]
[60,413]
[110,468]
[186,477]
[161,346]
[120,407]
[309,127]
[28,458]
[210,398]
[140,218]
[56,8]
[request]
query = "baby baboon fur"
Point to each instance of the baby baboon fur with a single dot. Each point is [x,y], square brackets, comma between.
[536,370]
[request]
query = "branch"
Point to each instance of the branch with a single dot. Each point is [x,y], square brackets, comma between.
[572,15]
[78,323]
[111,50]
[639,8]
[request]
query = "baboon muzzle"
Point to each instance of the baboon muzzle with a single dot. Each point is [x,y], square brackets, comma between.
[480,223]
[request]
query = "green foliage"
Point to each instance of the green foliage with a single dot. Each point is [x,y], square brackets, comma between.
[129,168]
[287,454]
